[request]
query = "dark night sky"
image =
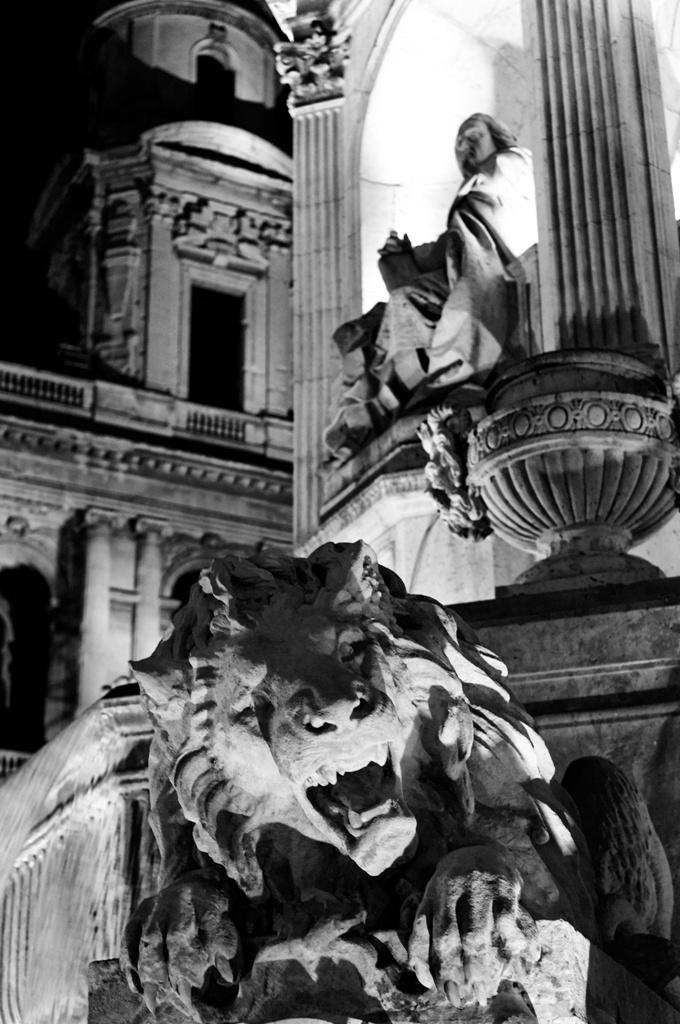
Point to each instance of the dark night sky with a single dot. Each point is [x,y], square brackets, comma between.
[46,119]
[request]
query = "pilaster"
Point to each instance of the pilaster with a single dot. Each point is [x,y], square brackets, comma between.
[94,653]
[314,69]
[608,249]
[149,572]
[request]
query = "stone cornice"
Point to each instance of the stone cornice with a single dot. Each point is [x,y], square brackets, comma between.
[266,34]
[408,482]
[93,451]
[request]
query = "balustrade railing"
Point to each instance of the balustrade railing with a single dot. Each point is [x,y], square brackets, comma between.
[112,404]
[10,760]
[43,387]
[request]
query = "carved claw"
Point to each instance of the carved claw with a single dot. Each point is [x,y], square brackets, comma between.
[469,929]
[174,941]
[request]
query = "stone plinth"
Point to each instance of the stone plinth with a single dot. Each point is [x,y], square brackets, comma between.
[574,981]
[379,495]
[599,670]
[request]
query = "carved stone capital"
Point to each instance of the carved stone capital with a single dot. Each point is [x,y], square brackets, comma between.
[100,520]
[150,527]
[314,67]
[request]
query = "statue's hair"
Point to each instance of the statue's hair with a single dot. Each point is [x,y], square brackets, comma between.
[502,137]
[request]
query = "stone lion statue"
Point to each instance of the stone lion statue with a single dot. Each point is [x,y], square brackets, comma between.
[353,811]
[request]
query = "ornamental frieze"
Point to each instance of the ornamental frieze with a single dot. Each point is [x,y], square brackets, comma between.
[229,229]
[567,413]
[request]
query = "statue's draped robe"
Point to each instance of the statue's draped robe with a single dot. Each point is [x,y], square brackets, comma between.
[451,312]
[454,321]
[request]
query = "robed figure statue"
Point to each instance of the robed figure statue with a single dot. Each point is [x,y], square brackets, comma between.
[451,315]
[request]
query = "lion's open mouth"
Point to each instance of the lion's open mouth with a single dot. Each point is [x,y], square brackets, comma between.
[359,807]
[355,798]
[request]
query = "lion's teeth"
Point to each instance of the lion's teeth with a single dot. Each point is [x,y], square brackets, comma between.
[328,775]
[354,819]
[381,755]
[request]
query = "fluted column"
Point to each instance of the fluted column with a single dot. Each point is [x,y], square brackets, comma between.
[608,248]
[94,629]
[149,573]
[314,69]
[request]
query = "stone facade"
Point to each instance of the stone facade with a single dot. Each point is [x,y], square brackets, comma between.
[127,468]
[120,480]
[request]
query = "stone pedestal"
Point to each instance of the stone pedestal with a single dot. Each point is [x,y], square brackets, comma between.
[574,981]
[599,669]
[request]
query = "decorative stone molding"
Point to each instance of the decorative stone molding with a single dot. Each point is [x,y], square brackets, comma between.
[407,482]
[146,526]
[444,437]
[314,68]
[577,474]
[104,519]
[86,451]
[599,413]
[205,228]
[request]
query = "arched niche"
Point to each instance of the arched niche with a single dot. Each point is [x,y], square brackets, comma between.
[438,62]
[25,628]
[435,62]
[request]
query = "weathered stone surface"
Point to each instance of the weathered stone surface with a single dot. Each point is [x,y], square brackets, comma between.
[354,813]
[574,981]
[599,671]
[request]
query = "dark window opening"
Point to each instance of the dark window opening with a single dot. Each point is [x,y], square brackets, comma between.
[214,91]
[24,649]
[183,585]
[216,349]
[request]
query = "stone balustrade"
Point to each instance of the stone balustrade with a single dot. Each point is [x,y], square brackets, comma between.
[151,412]
[11,760]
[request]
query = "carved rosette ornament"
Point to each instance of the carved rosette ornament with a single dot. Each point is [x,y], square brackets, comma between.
[576,462]
[314,67]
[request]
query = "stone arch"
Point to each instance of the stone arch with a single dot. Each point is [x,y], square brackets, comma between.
[25,598]
[218,50]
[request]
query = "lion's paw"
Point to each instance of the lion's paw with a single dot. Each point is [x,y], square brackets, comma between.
[178,940]
[470,931]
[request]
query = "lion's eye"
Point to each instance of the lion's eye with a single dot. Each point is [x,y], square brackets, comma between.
[317,724]
[264,709]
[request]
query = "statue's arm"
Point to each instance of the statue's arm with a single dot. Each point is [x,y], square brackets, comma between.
[431,255]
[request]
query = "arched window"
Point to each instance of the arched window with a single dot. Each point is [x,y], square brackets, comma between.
[25,601]
[183,585]
[214,89]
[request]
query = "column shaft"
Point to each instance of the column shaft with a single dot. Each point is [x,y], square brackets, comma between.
[317,301]
[608,250]
[149,571]
[94,633]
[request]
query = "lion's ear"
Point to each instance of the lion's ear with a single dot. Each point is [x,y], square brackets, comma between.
[353,582]
[160,678]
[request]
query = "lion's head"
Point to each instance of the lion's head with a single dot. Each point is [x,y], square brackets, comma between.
[311,693]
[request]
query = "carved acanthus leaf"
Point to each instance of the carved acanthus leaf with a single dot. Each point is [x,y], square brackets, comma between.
[314,68]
